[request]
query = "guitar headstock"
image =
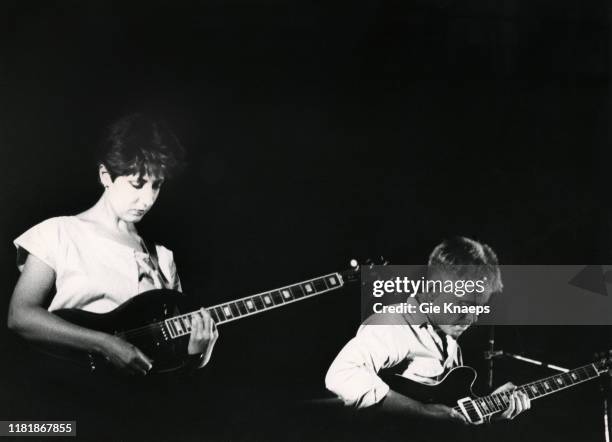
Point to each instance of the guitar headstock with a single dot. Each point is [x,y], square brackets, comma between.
[354,272]
[603,361]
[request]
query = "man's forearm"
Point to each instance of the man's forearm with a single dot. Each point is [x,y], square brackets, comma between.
[397,403]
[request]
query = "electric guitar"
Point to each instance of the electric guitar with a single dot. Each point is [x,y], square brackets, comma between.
[158,322]
[455,389]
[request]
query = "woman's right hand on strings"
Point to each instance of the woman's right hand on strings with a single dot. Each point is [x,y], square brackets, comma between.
[125,356]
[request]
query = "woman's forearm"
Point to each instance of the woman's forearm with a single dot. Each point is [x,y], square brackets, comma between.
[35,323]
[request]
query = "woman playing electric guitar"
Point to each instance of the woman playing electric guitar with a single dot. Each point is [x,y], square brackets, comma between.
[96,260]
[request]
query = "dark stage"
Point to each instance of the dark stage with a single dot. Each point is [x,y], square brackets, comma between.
[318,132]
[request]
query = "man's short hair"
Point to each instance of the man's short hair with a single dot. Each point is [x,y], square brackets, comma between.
[465,258]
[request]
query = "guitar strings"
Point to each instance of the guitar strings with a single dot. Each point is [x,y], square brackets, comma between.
[490,402]
[140,331]
[526,388]
[144,330]
[147,329]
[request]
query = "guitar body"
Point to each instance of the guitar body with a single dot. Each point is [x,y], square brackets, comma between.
[457,384]
[141,315]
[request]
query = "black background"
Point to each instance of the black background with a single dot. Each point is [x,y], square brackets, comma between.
[320,132]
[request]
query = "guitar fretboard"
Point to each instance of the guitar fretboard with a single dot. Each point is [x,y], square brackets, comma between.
[230,311]
[499,402]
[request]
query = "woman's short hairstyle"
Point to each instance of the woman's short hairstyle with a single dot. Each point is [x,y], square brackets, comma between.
[465,258]
[140,144]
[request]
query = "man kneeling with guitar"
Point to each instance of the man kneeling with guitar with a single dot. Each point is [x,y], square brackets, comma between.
[421,347]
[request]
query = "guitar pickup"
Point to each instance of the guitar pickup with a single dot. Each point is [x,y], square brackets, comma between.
[470,410]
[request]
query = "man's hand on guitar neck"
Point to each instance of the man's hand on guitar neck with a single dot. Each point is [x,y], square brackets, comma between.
[519,402]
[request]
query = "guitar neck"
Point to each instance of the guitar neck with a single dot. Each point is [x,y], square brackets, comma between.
[499,402]
[250,305]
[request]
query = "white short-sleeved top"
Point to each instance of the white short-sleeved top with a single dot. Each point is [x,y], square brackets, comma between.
[93,272]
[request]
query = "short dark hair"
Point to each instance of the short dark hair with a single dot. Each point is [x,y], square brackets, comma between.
[139,143]
[468,259]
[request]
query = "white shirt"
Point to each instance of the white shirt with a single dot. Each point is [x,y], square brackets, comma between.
[92,272]
[384,341]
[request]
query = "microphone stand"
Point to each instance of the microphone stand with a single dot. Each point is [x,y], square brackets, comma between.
[605,391]
[490,355]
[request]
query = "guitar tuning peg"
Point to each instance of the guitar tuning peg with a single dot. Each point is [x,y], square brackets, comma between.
[383,261]
[354,264]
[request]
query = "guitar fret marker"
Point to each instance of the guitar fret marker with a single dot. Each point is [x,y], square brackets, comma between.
[227,311]
[332,280]
[249,304]
[308,288]
[483,404]
[286,294]
[267,300]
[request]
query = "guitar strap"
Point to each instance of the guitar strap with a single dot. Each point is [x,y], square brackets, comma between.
[152,249]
